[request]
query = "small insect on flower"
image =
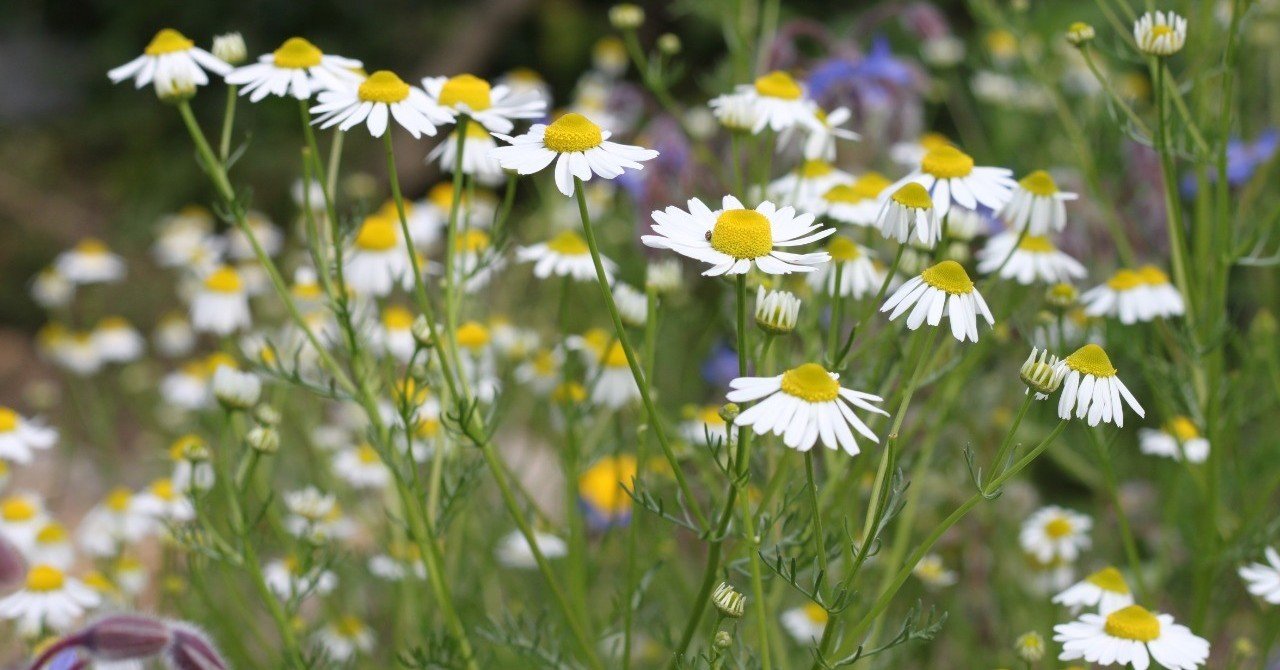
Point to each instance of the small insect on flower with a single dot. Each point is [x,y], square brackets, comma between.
[297,68]
[1092,388]
[20,436]
[942,290]
[90,262]
[1263,579]
[1105,589]
[906,211]
[376,100]
[951,178]
[733,239]
[858,274]
[565,255]
[1160,33]
[172,62]
[221,306]
[513,551]
[1131,635]
[578,147]
[805,404]
[1055,533]
[777,311]
[495,108]
[49,599]
[1176,439]
[1037,206]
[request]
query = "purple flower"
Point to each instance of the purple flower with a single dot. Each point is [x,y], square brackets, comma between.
[721,366]
[1243,160]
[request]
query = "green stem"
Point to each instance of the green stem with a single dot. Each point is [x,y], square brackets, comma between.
[228,120]
[1126,531]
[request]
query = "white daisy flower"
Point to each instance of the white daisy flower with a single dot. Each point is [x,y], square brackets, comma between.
[540,373]
[172,62]
[345,638]
[50,599]
[163,502]
[733,239]
[173,335]
[513,342]
[950,177]
[1048,577]
[776,311]
[51,290]
[72,351]
[807,182]
[1131,636]
[909,153]
[269,237]
[1036,205]
[362,467]
[401,561]
[477,156]
[513,550]
[22,515]
[374,102]
[1104,589]
[607,365]
[820,138]
[805,624]
[188,386]
[906,211]
[475,260]
[805,404]
[704,426]
[477,363]
[52,546]
[735,111]
[1160,33]
[379,259]
[117,341]
[856,202]
[933,572]
[1134,295]
[1263,579]
[1028,259]
[113,525]
[394,335]
[777,102]
[1162,299]
[579,148]
[235,389]
[632,303]
[1092,388]
[477,208]
[298,69]
[494,107]
[1177,438]
[192,470]
[287,580]
[858,273]
[1054,532]
[221,306]
[565,255]
[90,262]
[942,290]
[20,436]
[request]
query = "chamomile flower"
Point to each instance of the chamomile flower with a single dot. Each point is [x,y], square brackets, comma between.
[51,290]
[117,341]
[188,386]
[1055,533]
[1105,589]
[288,580]
[1160,33]
[50,599]
[909,153]
[1036,205]
[20,437]
[777,102]
[172,62]
[614,386]
[494,107]
[733,239]
[374,102]
[776,311]
[192,470]
[297,68]
[476,362]
[52,546]
[163,502]
[908,212]
[933,573]
[856,202]
[858,274]
[267,235]
[578,147]
[113,524]
[540,373]
[1028,259]
[345,638]
[1263,579]
[805,404]
[942,290]
[565,255]
[90,262]
[704,426]
[401,560]
[73,352]
[807,182]
[806,623]
[22,515]
[362,467]
[394,334]
[820,138]
[1176,439]
[735,111]
[221,306]
[379,259]
[475,260]
[314,515]
[601,494]
[513,550]
[1093,390]
[477,156]
[1162,299]
[951,178]
[1131,636]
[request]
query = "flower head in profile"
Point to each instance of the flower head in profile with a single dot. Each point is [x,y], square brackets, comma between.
[565,255]
[49,599]
[806,623]
[1037,206]
[379,259]
[345,638]
[733,239]
[172,62]
[952,178]
[1133,636]
[805,404]
[1263,579]
[942,290]
[1028,259]
[1131,296]
[1093,390]
[1041,373]
[221,306]
[375,101]
[1177,439]
[90,262]
[297,69]
[856,202]
[117,341]
[852,265]
[908,212]
[776,311]
[775,101]
[614,386]
[20,436]
[1160,33]
[1105,589]
[513,551]
[496,108]
[578,147]
[477,157]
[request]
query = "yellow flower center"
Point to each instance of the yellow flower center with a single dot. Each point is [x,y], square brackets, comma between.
[1133,623]
[568,243]
[162,489]
[948,276]
[1108,579]
[913,196]
[778,84]
[616,356]
[571,133]
[52,533]
[814,169]
[468,90]
[742,233]
[118,499]
[348,626]
[17,509]
[946,163]
[168,41]
[810,382]
[569,392]
[601,484]
[184,448]
[544,362]
[383,86]
[376,234]
[871,184]
[931,141]
[1158,31]
[472,335]
[711,415]
[1091,360]
[1124,280]
[217,360]
[426,429]
[842,193]
[1039,183]
[473,241]
[367,454]
[223,280]
[8,420]
[397,318]
[44,578]
[476,130]
[297,53]
[843,249]
[1152,275]
[1058,528]
[816,613]
[1182,428]
[91,247]
[1036,244]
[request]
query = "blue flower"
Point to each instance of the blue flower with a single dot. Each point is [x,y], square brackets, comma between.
[1243,160]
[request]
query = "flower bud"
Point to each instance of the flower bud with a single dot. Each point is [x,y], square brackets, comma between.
[421,331]
[664,276]
[1080,33]
[777,311]
[626,16]
[230,48]
[1041,373]
[729,411]
[669,43]
[1061,296]
[121,637]
[266,415]
[723,640]
[263,439]
[728,601]
[1030,646]
[236,390]
[192,650]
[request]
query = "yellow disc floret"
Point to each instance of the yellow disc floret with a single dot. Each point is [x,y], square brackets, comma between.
[1091,360]
[1058,527]
[742,234]
[472,241]
[1124,280]
[1152,275]
[1039,183]
[1182,428]
[778,84]
[815,169]
[168,41]
[18,509]
[8,420]
[948,276]
[616,356]
[600,486]
[297,53]
[912,196]
[1108,579]
[816,613]
[383,86]
[571,133]
[1133,623]
[810,382]
[472,335]
[468,90]
[569,243]
[947,163]
[397,318]
[376,234]
[843,249]
[223,280]
[1036,244]
[44,578]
